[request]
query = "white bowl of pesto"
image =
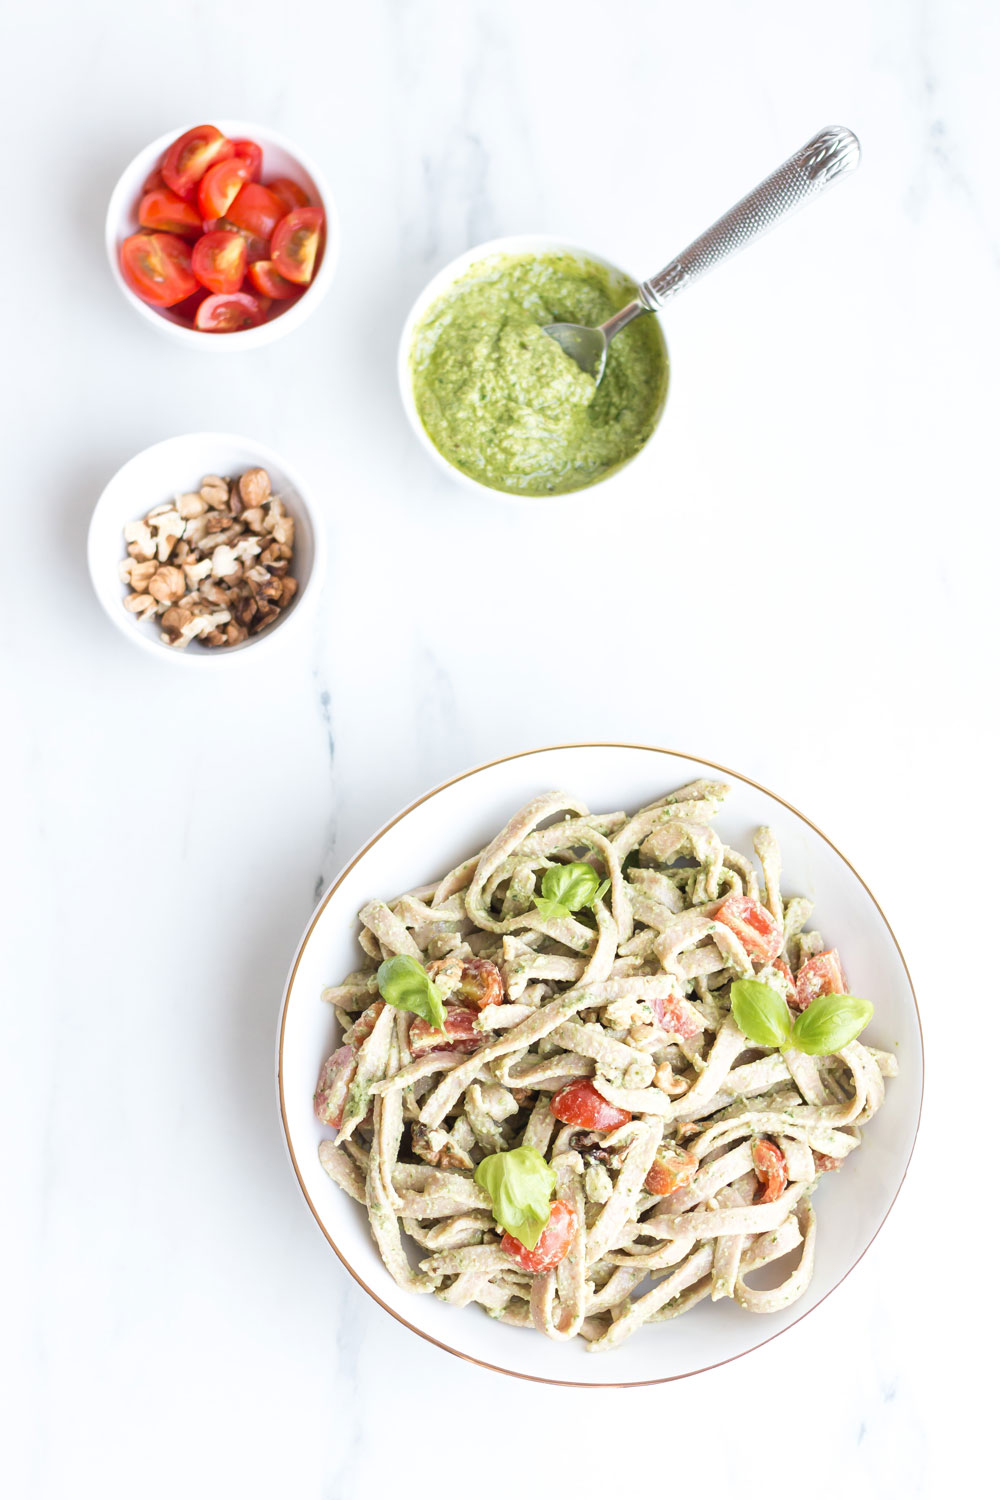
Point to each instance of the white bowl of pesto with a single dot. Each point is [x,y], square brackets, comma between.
[447,826]
[495,402]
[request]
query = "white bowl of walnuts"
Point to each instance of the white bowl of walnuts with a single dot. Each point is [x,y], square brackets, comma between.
[204,546]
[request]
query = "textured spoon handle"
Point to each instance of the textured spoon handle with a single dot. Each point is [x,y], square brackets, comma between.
[831,154]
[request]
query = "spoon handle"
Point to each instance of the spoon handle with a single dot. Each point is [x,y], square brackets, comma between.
[830,155]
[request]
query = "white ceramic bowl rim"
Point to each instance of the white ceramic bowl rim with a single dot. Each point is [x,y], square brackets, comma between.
[513,244]
[710,766]
[124,199]
[101,567]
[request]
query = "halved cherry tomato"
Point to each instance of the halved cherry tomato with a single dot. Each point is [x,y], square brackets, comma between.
[826,1163]
[753,924]
[290,193]
[256,247]
[257,210]
[820,975]
[459,1034]
[220,184]
[153,181]
[188,309]
[219,260]
[267,281]
[158,268]
[163,209]
[331,1088]
[190,157]
[228,313]
[252,154]
[772,1169]
[296,244]
[474,981]
[673,1167]
[579,1103]
[675,1015]
[365,1024]
[553,1244]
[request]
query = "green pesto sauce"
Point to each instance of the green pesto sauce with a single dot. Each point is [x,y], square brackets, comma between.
[504,403]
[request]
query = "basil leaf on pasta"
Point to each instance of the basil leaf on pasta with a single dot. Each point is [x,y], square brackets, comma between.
[520,1184]
[569,888]
[760,1013]
[830,1023]
[405,984]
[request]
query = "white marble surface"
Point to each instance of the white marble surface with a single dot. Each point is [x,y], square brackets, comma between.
[795,582]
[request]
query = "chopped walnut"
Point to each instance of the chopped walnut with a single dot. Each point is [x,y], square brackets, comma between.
[191,505]
[255,486]
[213,564]
[167,585]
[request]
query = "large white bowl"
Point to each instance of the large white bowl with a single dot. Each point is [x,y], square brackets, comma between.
[281,159]
[454,821]
[515,244]
[170,468]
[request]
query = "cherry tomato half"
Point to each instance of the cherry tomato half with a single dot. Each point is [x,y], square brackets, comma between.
[157,267]
[163,209]
[219,260]
[190,157]
[228,313]
[187,310]
[771,1168]
[154,180]
[579,1103]
[553,1245]
[257,210]
[290,193]
[459,1034]
[476,982]
[220,184]
[256,247]
[819,975]
[673,1167]
[268,282]
[365,1024]
[252,154]
[296,243]
[753,924]
[675,1015]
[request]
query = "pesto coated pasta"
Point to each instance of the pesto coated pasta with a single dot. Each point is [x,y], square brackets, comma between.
[544,1098]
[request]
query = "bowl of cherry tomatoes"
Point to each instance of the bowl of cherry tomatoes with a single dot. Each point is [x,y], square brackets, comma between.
[223,228]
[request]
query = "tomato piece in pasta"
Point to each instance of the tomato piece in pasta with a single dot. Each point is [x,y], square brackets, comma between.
[820,975]
[754,925]
[552,1247]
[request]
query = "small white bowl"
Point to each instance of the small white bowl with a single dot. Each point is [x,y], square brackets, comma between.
[281,159]
[453,821]
[171,468]
[514,244]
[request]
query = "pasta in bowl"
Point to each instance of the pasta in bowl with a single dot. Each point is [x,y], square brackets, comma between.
[597,1075]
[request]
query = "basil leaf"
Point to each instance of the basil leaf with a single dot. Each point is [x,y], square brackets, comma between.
[760,1013]
[520,1184]
[552,911]
[568,888]
[602,890]
[405,984]
[829,1023]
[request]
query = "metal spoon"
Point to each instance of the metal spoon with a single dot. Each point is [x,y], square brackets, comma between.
[831,154]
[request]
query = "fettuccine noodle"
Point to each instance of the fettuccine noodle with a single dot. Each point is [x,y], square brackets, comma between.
[632,995]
